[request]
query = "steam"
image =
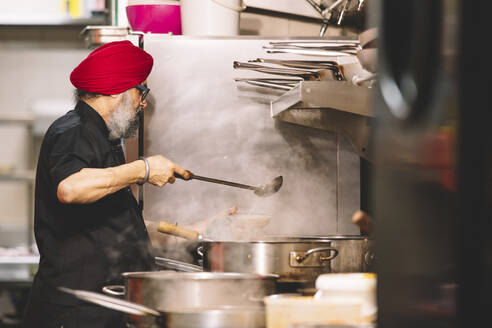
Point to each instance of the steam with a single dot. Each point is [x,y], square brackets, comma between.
[209,124]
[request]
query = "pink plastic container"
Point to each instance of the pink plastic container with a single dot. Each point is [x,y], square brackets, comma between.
[155,18]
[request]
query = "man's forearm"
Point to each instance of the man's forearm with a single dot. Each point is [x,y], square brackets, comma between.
[89,184]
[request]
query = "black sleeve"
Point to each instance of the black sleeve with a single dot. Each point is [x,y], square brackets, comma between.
[72,151]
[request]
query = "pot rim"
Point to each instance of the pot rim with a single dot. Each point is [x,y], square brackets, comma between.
[213,276]
[278,239]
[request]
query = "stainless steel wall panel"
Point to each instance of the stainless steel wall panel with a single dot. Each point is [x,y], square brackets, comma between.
[209,124]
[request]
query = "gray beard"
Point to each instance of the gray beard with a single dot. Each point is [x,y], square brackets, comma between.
[123,122]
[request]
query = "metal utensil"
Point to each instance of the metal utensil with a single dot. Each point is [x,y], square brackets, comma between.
[111,302]
[325,12]
[347,45]
[176,265]
[309,64]
[281,84]
[304,74]
[316,74]
[263,191]
[344,10]
[306,64]
[310,52]
[333,48]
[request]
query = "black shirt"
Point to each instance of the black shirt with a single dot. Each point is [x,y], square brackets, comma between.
[83,246]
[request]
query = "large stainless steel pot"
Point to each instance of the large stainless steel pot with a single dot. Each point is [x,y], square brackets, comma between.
[355,253]
[142,316]
[297,259]
[294,259]
[178,292]
[168,290]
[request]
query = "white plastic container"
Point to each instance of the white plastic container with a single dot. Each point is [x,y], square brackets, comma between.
[350,287]
[211,17]
[290,310]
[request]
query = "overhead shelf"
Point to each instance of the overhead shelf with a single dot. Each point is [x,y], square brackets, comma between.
[95,36]
[34,20]
[16,118]
[20,259]
[18,268]
[18,175]
[329,105]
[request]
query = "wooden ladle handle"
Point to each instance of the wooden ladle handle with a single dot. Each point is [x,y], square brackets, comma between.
[172,229]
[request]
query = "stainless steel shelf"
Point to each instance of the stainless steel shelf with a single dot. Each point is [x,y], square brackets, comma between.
[20,259]
[329,105]
[18,175]
[10,174]
[97,35]
[18,269]
[16,118]
[50,21]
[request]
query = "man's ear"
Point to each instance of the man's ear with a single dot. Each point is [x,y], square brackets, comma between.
[117,97]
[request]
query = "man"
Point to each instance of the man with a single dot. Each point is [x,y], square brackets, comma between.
[88,225]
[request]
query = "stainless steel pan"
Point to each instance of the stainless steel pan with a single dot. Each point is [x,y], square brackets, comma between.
[306,64]
[329,47]
[309,75]
[328,73]
[280,84]
[333,52]
[175,265]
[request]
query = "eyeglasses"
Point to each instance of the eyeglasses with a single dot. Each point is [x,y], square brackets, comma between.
[144,91]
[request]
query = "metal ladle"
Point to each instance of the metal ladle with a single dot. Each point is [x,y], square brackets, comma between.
[263,191]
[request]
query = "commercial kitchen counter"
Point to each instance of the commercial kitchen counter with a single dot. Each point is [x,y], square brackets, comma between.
[18,269]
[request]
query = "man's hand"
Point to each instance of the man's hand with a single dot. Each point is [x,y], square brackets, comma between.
[363,221]
[162,171]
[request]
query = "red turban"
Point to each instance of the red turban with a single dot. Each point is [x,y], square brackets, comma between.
[112,68]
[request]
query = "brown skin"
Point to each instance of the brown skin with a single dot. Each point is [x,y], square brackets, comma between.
[91,184]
